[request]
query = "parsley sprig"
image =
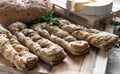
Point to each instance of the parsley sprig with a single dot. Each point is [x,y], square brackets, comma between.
[51,19]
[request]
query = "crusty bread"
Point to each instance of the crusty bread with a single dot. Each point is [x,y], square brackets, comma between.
[23,10]
[48,51]
[99,39]
[15,52]
[62,38]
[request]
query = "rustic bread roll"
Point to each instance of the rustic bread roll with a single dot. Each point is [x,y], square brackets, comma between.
[48,51]
[74,47]
[102,40]
[52,51]
[23,10]
[52,55]
[99,39]
[13,40]
[80,46]
[69,27]
[15,52]
[62,38]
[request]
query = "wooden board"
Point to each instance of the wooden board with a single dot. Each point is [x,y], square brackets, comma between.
[91,63]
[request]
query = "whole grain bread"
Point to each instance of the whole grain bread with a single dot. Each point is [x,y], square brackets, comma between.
[23,10]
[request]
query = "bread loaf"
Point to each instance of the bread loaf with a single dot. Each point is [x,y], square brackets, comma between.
[23,10]
[62,38]
[99,39]
[15,52]
[48,51]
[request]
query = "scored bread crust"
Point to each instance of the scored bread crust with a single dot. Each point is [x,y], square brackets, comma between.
[62,38]
[48,51]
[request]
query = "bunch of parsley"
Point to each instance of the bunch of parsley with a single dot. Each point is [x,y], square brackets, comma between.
[51,19]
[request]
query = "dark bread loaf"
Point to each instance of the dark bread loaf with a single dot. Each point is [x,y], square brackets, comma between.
[23,10]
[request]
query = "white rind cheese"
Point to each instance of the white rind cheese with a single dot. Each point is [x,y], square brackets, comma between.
[98,8]
[80,3]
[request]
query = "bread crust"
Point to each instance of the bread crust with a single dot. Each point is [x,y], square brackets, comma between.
[62,38]
[23,10]
[99,39]
[15,52]
[48,51]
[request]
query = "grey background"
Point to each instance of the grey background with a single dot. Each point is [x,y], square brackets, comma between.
[113,65]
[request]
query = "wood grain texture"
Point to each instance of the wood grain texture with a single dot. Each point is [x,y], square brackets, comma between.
[70,65]
[91,63]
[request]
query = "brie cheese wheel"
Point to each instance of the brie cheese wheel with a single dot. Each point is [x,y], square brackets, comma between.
[79,4]
[98,8]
